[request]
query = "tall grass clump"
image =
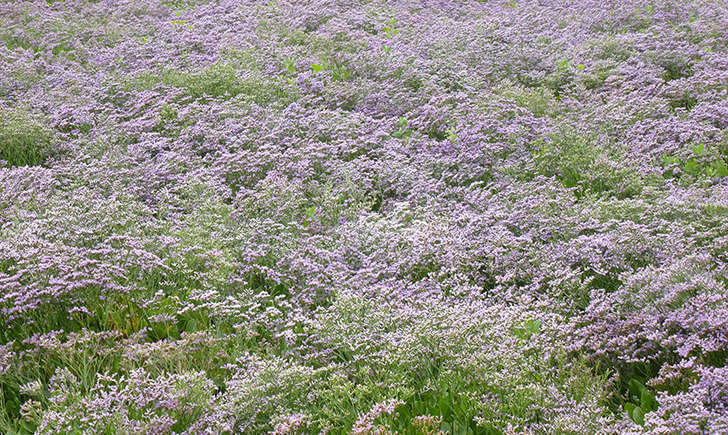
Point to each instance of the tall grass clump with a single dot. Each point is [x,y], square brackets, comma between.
[24,139]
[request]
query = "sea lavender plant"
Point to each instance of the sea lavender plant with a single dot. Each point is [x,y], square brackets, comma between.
[406,216]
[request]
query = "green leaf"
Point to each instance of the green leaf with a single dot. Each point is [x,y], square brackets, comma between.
[533,326]
[310,211]
[391,30]
[340,73]
[691,167]
[699,149]
[635,387]
[638,416]
[671,160]
[317,67]
[628,408]
[647,401]
[721,169]
[444,406]
[28,427]
[289,64]
[451,134]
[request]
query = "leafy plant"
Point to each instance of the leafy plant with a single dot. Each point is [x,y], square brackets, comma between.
[579,162]
[641,401]
[289,65]
[337,70]
[403,132]
[530,327]
[451,134]
[700,163]
[390,30]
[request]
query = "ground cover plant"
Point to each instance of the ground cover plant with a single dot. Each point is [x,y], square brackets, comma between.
[411,216]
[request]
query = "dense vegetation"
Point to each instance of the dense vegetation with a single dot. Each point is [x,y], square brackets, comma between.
[505,216]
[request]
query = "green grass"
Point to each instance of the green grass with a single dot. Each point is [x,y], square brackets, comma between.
[220,80]
[582,163]
[24,140]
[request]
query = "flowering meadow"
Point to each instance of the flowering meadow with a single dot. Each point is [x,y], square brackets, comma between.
[364,216]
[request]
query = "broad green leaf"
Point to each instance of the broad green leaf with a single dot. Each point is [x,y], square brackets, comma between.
[310,212]
[721,169]
[638,416]
[699,149]
[628,408]
[533,326]
[635,387]
[647,401]
[691,166]
[671,160]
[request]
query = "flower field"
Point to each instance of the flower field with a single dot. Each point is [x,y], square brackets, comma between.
[368,216]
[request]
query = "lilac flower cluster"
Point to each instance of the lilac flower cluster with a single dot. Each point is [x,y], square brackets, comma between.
[418,216]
